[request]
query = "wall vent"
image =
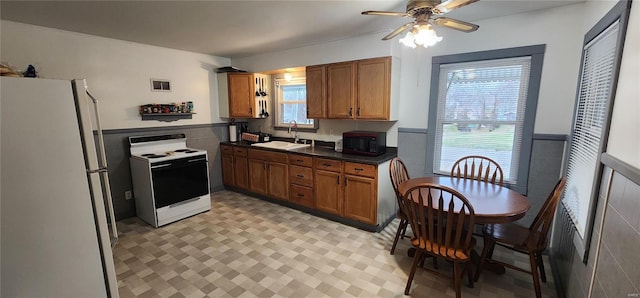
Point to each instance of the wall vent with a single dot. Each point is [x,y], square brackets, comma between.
[160,85]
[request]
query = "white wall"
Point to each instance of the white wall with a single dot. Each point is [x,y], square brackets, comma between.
[118,72]
[561,29]
[624,136]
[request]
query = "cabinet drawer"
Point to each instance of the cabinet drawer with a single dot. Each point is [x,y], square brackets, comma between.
[237,151]
[327,164]
[268,155]
[300,160]
[226,149]
[360,169]
[301,195]
[300,175]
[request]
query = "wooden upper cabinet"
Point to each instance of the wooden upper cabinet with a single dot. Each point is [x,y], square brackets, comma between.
[341,90]
[241,95]
[316,78]
[373,89]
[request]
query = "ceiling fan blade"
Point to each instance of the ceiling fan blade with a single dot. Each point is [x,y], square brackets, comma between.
[385,13]
[450,5]
[398,31]
[455,24]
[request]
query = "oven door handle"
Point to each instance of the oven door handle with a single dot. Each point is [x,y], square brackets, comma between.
[199,159]
[161,166]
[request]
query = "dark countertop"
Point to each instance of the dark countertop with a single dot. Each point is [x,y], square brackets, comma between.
[328,152]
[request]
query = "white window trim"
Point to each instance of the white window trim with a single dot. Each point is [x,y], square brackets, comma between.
[278,101]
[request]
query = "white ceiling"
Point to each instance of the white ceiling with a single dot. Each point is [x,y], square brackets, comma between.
[238,28]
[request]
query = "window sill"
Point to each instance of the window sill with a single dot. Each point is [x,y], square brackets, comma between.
[300,129]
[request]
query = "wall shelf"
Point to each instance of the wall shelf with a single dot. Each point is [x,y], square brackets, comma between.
[166,117]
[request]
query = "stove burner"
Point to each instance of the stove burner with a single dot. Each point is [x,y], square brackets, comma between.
[186,150]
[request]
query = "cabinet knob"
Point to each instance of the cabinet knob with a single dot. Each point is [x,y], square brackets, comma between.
[358,112]
[338,180]
[300,176]
[350,112]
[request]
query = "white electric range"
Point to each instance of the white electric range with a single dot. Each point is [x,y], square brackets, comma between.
[170,180]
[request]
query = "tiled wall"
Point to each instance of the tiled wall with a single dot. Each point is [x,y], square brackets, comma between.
[206,137]
[617,266]
[544,168]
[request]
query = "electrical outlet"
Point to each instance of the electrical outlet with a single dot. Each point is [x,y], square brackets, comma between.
[128,195]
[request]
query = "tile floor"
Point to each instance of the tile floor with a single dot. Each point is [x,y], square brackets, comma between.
[246,247]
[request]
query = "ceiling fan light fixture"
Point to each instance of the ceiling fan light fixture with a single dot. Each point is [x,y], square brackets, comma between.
[408,40]
[426,36]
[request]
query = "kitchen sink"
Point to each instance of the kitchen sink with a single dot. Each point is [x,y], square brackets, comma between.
[281,145]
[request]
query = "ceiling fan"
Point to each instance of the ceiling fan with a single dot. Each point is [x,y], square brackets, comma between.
[423,12]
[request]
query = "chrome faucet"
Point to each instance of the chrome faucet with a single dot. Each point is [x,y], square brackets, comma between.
[295,135]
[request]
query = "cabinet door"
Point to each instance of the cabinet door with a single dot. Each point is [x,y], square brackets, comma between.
[258,176]
[316,92]
[240,169]
[241,95]
[278,180]
[341,90]
[227,170]
[328,192]
[374,83]
[360,199]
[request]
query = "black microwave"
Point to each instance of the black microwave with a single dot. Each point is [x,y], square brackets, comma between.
[370,143]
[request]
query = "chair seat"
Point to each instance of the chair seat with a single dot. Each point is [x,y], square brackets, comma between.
[447,252]
[515,235]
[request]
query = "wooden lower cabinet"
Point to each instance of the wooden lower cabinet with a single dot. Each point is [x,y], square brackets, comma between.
[258,176]
[360,198]
[235,171]
[277,180]
[328,192]
[241,173]
[227,170]
[346,189]
[301,195]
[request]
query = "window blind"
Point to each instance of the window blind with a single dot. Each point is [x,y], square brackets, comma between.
[481,109]
[598,69]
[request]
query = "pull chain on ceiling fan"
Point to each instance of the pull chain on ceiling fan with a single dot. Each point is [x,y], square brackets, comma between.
[421,31]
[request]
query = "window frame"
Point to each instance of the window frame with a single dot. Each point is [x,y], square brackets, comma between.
[536,52]
[620,12]
[277,101]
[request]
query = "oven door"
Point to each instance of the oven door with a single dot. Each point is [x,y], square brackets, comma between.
[179,180]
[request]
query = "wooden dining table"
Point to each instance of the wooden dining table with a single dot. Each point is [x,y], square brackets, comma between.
[491,203]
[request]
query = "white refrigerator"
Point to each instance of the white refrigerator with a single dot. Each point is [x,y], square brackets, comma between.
[56,215]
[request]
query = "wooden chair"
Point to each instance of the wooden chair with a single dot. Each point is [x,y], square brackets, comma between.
[398,173]
[477,168]
[532,240]
[440,218]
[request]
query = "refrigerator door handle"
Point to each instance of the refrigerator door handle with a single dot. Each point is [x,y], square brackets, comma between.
[98,170]
[103,167]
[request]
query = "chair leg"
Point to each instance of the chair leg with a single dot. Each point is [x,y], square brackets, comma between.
[534,272]
[398,234]
[404,229]
[470,274]
[543,275]
[416,259]
[456,278]
[488,246]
